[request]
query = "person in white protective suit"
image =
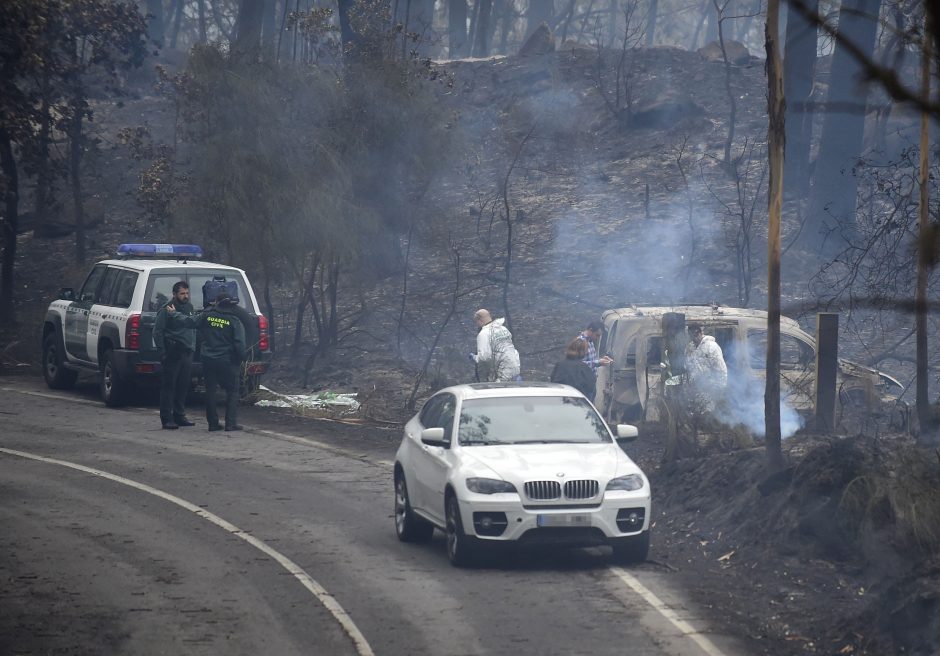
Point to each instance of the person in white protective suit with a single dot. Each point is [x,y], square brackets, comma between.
[706,368]
[495,348]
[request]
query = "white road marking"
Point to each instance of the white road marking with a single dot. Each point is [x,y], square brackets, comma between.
[318,591]
[687,629]
[58,397]
[323,445]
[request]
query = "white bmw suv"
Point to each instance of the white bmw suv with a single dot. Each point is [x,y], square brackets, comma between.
[531,463]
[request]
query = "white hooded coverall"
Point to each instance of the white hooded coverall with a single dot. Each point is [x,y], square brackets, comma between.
[495,348]
[707,371]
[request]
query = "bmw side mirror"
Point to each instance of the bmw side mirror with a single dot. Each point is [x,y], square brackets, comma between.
[67,294]
[434,437]
[626,433]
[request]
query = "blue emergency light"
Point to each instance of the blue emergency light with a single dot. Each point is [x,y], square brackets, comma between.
[180,251]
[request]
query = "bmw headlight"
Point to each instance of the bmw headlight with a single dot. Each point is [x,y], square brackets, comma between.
[489,486]
[629,483]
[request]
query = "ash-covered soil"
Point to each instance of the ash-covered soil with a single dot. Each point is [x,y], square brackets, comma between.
[837,554]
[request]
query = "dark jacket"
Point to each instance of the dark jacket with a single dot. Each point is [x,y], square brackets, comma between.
[577,374]
[175,331]
[222,334]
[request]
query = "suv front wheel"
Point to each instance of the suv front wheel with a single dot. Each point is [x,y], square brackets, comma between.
[53,365]
[632,550]
[114,389]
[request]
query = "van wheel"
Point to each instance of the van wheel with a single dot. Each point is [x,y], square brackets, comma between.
[114,389]
[53,365]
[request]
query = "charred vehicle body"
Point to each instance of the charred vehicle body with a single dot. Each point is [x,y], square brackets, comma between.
[634,386]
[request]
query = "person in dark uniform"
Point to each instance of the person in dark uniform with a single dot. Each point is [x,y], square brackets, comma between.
[222,350]
[174,335]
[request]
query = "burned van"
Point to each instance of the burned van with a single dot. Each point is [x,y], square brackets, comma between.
[633,387]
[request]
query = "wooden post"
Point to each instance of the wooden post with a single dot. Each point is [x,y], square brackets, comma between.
[674,341]
[673,327]
[827,369]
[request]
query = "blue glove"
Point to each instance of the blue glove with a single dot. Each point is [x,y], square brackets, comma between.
[473,357]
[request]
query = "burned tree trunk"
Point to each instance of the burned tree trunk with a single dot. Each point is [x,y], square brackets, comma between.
[76,147]
[269,30]
[799,66]
[203,30]
[481,37]
[776,107]
[155,27]
[719,7]
[457,28]
[651,23]
[831,214]
[922,399]
[9,225]
[43,173]
[177,15]
[246,46]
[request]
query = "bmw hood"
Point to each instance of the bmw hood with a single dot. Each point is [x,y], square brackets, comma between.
[552,461]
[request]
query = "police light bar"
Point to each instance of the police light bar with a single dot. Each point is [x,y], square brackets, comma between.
[159,250]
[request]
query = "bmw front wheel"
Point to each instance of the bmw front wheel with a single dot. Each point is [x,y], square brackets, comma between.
[461,548]
[633,549]
[408,526]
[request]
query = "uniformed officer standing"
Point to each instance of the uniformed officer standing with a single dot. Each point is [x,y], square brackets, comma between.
[174,335]
[222,351]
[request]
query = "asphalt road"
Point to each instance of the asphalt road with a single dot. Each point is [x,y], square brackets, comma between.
[117,537]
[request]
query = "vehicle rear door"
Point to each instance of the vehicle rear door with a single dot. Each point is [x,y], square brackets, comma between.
[76,315]
[158,293]
[245,308]
[97,311]
[111,311]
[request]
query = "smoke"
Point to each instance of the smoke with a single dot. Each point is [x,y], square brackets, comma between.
[639,261]
[745,404]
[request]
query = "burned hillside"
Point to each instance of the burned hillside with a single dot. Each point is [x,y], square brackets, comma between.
[550,187]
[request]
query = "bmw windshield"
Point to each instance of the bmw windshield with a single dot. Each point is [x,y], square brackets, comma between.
[530,420]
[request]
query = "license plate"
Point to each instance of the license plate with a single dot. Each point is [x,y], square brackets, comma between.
[565,519]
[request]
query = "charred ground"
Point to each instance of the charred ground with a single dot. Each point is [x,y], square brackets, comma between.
[837,554]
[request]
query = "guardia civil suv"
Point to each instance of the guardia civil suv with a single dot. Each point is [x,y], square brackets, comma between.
[107,326]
